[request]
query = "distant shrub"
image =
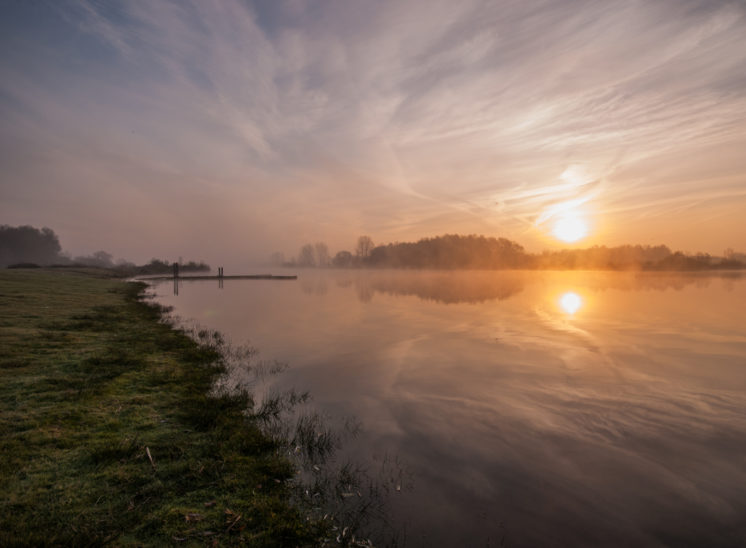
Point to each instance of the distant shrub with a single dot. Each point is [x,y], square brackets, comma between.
[24,265]
[26,244]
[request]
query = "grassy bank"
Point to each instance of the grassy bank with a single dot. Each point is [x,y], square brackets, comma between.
[108,431]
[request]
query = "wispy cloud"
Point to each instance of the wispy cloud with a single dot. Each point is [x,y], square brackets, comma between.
[399,119]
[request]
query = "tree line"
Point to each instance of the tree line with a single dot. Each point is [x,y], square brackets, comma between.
[29,247]
[454,251]
[317,255]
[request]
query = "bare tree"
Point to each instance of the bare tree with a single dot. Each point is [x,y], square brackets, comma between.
[306,256]
[364,247]
[322,254]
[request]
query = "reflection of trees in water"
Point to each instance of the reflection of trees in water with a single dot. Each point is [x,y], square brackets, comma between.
[653,281]
[443,287]
[364,291]
[315,285]
[466,286]
[348,497]
[453,291]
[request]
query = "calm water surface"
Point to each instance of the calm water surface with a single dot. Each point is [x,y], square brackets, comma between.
[533,409]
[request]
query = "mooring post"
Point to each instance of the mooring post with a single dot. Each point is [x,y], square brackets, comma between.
[176,270]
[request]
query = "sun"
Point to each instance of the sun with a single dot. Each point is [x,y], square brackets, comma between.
[570,228]
[570,302]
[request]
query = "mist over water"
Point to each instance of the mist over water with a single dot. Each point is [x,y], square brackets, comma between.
[529,408]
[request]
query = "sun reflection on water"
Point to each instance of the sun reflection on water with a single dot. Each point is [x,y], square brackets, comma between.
[570,302]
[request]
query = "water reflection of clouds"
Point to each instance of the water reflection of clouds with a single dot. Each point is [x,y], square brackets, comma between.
[592,452]
[622,425]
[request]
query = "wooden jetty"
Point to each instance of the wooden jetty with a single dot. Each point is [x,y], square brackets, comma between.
[208,277]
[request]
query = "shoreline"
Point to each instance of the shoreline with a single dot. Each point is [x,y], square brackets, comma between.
[111,431]
[183,278]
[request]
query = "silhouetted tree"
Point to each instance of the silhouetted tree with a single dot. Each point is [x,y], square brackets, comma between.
[343,259]
[322,254]
[364,247]
[159,266]
[451,251]
[26,244]
[623,257]
[306,256]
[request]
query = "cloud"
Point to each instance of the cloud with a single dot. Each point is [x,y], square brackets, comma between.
[447,116]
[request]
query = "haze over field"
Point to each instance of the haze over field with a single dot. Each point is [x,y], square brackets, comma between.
[228,130]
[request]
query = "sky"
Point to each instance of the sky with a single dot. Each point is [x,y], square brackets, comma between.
[225,130]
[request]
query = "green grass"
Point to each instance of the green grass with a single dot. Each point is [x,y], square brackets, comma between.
[91,381]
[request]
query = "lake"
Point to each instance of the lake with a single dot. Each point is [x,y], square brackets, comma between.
[523,408]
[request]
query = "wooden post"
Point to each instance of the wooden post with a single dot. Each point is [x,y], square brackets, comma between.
[176,270]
